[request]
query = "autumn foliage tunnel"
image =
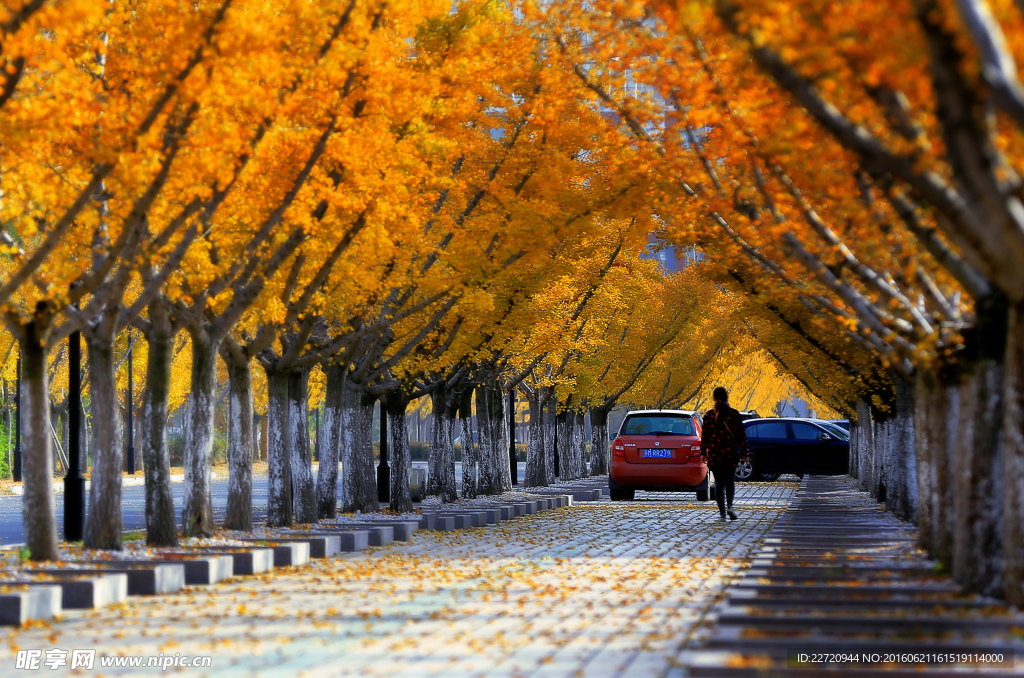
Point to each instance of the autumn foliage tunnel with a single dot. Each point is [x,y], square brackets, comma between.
[299,207]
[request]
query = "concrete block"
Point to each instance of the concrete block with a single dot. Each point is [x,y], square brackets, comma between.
[88,591]
[444,523]
[507,512]
[381,534]
[287,552]
[22,603]
[464,521]
[200,569]
[403,529]
[245,560]
[321,544]
[426,521]
[356,540]
[144,578]
[493,516]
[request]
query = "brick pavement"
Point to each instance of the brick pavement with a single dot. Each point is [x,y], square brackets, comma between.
[599,589]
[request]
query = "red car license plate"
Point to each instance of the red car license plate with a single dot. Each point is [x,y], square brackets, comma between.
[663,454]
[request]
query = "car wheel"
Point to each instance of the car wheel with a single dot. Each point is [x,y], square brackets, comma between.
[704,495]
[621,495]
[770,477]
[744,470]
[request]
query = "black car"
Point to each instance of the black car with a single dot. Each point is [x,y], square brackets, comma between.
[790,445]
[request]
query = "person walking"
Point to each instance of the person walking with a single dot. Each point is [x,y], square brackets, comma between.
[723,443]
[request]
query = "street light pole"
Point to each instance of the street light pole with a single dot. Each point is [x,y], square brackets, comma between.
[130,404]
[383,470]
[16,471]
[513,462]
[74,481]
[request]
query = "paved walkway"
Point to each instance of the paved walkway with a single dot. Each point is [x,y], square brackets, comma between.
[841,586]
[599,589]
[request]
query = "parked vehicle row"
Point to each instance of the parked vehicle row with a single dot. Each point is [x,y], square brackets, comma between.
[659,451]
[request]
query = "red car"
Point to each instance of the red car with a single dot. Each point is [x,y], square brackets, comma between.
[658,450]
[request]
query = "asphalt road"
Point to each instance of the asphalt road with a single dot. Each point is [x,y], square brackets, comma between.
[133,505]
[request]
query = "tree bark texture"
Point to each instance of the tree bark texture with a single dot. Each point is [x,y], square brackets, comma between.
[865,445]
[441,465]
[563,449]
[39,515]
[197,513]
[600,445]
[279,445]
[930,405]
[485,435]
[303,490]
[469,453]
[579,451]
[103,526]
[536,460]
[399,454]
[358,474]
[161,523]
[330,446]
[1013,455]
[241,446]
[550,437]
[977,472]
[902,456]
[501,440]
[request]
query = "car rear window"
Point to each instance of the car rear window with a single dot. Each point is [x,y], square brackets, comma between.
[665,424]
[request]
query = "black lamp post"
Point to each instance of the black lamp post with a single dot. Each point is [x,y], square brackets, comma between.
[74,481]
[16,471]
[513,463]
[130,404]
[383,471]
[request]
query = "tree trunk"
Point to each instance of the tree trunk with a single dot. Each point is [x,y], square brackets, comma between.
[257,437]
[441,466]
[161,525]
[197,513]
[358,473]
[103,526]
[501,440]
[399,453]
[903,476]
[485,435]
[327,478]
[436,453]
[563,449]
[929,402]
[536,460]
[39,515]
[469,454]
[279,445]
[550,439]
[579,433]
[600,445]
[303,490]
[1013,455]
[977,473]
[240,446]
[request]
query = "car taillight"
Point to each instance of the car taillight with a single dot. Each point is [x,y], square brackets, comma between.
[618,450]
[695,448]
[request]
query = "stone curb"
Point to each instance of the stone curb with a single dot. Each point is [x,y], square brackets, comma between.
[101,583]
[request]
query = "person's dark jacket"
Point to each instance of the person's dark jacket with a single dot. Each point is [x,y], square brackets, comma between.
[724,440]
